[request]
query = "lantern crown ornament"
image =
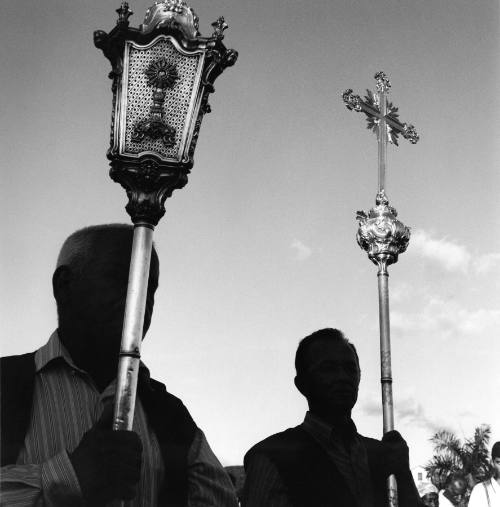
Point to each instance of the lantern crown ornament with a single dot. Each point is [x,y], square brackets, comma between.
[162,74]
[172,13]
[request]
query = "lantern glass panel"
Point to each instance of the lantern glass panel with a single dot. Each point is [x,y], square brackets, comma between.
[160,84]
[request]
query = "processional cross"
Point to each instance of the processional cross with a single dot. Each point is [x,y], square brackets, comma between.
[380,233]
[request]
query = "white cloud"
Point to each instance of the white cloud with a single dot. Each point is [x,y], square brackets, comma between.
[451,255]
[446,318]
[408,413]
[486,263]
[401,291]
[302,252]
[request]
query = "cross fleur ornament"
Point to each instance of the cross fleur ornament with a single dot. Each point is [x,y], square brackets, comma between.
[383,83]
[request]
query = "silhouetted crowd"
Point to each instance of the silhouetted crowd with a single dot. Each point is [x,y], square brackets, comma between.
[460,491]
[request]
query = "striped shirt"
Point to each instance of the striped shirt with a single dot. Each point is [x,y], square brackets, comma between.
[66,404]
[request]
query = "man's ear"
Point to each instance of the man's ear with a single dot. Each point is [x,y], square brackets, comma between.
[301,385]
[61,281]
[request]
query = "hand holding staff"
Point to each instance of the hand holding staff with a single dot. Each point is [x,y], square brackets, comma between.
[107,463]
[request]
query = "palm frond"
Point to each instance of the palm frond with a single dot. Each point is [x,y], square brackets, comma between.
[482,435]
[439,468]
[446,441]
[451,455]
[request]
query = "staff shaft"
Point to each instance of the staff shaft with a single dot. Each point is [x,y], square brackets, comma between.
[382,141]
[385,350]
[386,369]
[133,323]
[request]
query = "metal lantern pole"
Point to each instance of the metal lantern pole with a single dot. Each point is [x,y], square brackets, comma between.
[130,349]
[162,75]
[380,233]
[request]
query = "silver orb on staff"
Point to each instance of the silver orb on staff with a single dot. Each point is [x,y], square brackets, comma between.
[380,233]
[162,74]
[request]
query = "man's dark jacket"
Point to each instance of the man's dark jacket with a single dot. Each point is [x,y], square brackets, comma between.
[168,417]
[311,478]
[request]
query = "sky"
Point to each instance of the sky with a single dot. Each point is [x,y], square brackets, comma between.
[259,249]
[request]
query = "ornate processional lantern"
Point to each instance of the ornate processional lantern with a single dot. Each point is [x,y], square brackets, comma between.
[162,74]
[380,233]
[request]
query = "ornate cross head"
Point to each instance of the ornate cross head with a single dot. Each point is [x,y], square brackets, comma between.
[371,106]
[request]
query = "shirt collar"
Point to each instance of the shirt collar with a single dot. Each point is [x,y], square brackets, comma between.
[55,349]
[323,430]
[52,350]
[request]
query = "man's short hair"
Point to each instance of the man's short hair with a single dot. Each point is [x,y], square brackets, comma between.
[327,334]
[78,249]
[455,476]
[495,450]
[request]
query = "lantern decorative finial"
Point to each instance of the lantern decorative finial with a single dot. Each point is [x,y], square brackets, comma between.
[173,14]
[219,26]
[123,14]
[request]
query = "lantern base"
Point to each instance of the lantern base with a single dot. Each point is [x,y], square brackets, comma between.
[147,183]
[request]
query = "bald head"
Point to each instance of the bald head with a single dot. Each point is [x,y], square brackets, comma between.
[90,287]
[85,246]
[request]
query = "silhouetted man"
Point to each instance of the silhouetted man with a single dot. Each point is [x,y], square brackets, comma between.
[57,445]
[324,461]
